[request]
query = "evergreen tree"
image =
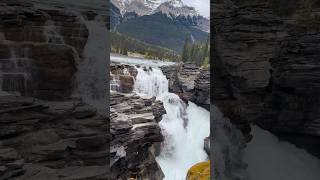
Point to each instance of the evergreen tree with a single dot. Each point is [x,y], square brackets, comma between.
[185,51]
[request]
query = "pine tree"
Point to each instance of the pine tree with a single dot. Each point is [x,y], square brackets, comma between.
[185,52]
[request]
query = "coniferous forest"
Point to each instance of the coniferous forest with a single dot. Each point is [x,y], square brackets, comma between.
[123,44]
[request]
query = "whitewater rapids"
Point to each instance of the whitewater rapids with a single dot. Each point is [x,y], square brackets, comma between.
[184,126]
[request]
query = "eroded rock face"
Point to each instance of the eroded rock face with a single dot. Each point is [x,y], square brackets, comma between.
[295,98]
[201,89]
[244,43]
[134,130]
[39,49]
[206,146]
[41,139]
[189,82]
[123,77]
[266,72]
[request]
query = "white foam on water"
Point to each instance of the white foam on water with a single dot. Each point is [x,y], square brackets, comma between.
[183,147]
[151,82]
[184,127]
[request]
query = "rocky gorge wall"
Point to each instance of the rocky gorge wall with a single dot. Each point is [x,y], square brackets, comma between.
[189,82]
[39,49]
[51,139]
[266,71]
[135,132]
[46,133]
[129,110]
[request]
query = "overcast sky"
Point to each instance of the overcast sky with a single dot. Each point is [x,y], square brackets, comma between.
[202,6]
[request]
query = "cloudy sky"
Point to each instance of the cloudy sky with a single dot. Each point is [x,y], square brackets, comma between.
[202,6]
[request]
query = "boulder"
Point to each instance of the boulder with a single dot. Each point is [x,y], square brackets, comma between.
[126,83]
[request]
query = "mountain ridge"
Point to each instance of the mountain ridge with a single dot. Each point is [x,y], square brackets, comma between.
[163,23]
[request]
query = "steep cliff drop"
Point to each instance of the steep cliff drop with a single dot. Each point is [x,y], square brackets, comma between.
[184,126]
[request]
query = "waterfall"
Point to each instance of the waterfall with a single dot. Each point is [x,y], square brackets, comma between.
[14,78]
[151,82]
[184,127]
[91,77]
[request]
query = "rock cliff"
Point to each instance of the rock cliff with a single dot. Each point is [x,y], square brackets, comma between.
[45,133]
[50,139]
[40,48]
[265,71]
[134,134]
[189,82]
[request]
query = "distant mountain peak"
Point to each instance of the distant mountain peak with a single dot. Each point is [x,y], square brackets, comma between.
[176,8]
[176,3]
[147,7]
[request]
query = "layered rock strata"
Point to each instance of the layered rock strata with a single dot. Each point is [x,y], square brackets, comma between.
[189,82]
[266,72]
[134,131]
[47,139]
[40,48]
[122,77]
[45,134]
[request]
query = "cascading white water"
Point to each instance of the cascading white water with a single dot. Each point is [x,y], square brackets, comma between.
[183,146]
[151,82]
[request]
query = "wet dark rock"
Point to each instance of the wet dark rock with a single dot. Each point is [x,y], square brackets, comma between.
[202,89]
[124,77]
[295,97]
[245,41]
[189,82]
[206,146]
[158,110]
[40,48]
[126,83]
[265,72]
[134,130]
[120,69]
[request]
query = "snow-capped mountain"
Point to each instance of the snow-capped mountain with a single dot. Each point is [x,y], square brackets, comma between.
[147,7]
[176,8]
[165,23]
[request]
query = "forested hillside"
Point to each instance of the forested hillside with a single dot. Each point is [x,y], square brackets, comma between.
[197,53]
[123,44]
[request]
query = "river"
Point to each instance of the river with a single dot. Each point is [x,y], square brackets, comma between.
[184,126]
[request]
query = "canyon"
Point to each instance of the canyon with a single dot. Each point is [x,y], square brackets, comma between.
[49,129]
[137,81]
[266,72]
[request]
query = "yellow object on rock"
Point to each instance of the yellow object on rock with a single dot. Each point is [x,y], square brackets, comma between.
[199,171]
